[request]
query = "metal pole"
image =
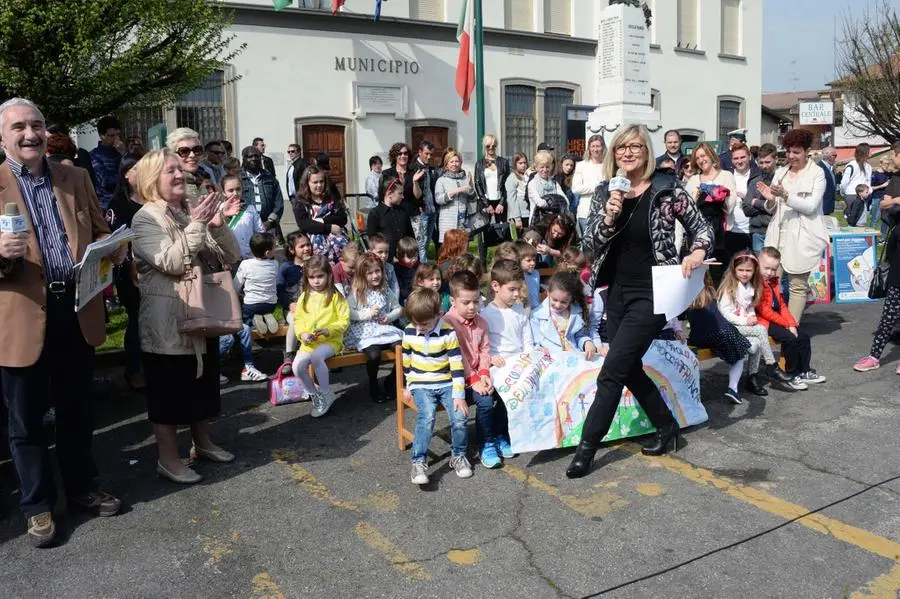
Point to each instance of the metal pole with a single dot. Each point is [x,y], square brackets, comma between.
[479,79]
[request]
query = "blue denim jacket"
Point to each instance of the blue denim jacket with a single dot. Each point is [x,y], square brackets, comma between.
[544,331]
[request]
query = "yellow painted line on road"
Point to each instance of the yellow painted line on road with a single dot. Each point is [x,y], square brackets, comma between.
[373,537]
[853,535]
[265,587]
[886,586]
[308,482]
[593,505]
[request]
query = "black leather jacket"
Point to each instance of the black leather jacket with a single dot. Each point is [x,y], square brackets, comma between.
[481,185]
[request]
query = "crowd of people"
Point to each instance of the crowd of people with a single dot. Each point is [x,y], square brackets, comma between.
[447,270]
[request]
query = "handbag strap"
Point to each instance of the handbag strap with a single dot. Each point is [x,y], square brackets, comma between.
[187,261]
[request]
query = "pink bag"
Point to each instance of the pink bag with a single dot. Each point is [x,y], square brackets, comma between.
[284,390]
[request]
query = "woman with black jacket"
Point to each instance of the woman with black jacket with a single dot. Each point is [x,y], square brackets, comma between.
[399,156]
[627,234]
[122,208]
[389,218]
[321,214]
[491,173]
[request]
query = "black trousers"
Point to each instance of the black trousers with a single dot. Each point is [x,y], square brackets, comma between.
[373,362]
[795,348]
[734,243]
[64,371]
[632,326]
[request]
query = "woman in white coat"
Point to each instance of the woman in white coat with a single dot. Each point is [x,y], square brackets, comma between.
[797,228]
[588,174]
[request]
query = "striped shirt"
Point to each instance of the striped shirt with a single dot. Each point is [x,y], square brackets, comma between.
[433,360]
[48,225]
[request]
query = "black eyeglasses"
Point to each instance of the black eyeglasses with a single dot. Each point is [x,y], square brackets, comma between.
[403,153]
[186,151]
[292,151]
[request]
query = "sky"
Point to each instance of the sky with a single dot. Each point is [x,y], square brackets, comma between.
[798,40]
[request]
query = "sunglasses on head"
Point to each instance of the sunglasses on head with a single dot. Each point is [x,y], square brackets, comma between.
[185,151]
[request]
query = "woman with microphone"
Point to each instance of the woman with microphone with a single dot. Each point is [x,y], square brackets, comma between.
[630,230]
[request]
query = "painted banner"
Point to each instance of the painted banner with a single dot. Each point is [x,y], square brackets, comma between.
[548,394]
[854,266]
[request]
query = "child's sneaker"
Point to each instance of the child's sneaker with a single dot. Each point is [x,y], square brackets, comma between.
[811,377]
[250,373]
[461,465]
[259,323]
[489,456]
[504,447]
[733,396]
[797,384]
[271,323]
[419,475]
[326,400]
[866,364]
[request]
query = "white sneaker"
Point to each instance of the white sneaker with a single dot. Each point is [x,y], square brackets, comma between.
[223,380]
[797,384]
[322,402]
[462,467]
[259,323]
[251,373]
[419,475]
[271,323]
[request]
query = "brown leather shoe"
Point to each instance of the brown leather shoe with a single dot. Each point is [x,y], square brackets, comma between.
[42,530]
[99,502]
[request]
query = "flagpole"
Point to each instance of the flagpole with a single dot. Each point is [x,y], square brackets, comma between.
[479,79]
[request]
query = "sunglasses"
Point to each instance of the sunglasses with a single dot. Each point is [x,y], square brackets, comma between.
[292,151]
[186,151]
[403,153]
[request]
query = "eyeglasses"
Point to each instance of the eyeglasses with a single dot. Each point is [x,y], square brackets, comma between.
[292,151]
[491,147]
[185,151]
[403,153]
[633,148]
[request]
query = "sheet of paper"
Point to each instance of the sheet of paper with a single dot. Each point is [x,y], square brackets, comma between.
[672,293]
[95,271]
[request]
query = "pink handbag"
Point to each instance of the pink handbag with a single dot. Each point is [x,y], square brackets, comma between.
[284,389]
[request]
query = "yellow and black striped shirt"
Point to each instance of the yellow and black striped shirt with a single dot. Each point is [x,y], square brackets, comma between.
[433,360]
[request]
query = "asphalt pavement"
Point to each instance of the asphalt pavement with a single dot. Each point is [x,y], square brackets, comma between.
[782,497]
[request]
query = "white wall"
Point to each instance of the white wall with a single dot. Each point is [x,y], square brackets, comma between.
[847,135]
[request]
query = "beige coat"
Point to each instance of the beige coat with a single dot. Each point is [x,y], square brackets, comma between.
[797,228]
[162,237]
[23,292]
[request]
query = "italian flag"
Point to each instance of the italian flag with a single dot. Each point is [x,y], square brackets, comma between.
[465,64]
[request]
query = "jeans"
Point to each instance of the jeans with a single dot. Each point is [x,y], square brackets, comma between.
[424,233]
[248,311]
[226,342]
[582,225]
[64,371]
[795,348]
[484,416]
[426,403]
[757,242]
[632,326]
[875,213]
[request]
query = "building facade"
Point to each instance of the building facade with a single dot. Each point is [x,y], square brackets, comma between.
[350,87]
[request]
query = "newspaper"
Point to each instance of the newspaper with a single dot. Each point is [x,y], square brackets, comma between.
[95,271]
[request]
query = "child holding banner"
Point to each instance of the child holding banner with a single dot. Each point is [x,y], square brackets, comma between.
[561,320]
[509,334]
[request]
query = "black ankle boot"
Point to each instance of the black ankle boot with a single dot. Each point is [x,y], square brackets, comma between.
[582,460]
[753,385]
[775,373]
[660,443]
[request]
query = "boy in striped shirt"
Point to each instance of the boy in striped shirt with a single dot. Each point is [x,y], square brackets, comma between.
[433,366]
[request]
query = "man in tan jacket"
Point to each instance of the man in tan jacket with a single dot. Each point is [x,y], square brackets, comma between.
[46,348]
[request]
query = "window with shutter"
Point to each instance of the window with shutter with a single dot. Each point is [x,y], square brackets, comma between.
[731,27]
[520,15]
[203,109]
[427,10]
[520,126]
[558,16]
[729,117]
[554,100]
[687,24]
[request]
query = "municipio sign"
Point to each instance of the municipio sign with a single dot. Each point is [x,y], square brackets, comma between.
[816,113]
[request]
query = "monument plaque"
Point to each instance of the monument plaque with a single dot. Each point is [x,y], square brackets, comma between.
[371,98]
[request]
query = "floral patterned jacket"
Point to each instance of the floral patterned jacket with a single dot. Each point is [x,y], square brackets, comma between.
[669,203]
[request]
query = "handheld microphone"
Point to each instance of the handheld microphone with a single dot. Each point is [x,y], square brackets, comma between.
[11,221]
[620,184]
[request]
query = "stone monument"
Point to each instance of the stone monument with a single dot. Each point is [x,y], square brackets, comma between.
[623,72]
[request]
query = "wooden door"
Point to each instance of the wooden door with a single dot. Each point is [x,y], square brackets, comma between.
[436,135]
[330,140]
